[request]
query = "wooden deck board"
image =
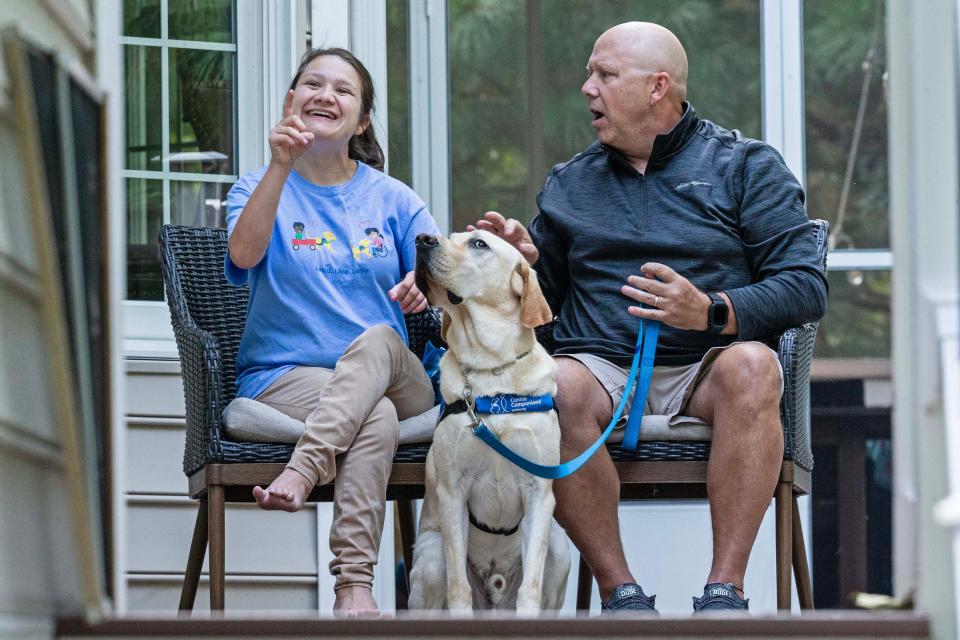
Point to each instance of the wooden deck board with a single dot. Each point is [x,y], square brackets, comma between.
[847,624]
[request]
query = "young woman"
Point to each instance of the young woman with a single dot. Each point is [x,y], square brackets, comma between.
[325,339]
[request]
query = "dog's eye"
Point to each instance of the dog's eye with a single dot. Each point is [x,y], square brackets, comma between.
[477,243]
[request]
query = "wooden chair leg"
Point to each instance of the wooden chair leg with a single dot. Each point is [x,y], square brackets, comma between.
[783,499]
[198,549]
[408,536]
[584,586]
[215,524]
[801,568]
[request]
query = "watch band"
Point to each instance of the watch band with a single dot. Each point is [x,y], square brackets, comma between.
[717,314]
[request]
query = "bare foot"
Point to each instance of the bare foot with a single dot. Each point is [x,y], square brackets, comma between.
[355,602]
[287,493]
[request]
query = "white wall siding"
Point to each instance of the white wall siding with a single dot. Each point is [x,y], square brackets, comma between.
[38,564]
[274,560]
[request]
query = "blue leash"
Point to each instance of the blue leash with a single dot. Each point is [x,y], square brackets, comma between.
[643,356]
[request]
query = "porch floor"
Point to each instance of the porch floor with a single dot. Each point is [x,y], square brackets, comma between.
[833,624]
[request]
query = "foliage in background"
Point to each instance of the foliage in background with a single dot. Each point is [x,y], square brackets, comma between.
[837,38]
[500,115]
[503,120]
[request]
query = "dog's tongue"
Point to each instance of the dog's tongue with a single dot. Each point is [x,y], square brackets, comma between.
[453,298]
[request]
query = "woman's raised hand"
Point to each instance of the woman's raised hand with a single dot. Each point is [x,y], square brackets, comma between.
[290,137]
[511,231]
[411,299]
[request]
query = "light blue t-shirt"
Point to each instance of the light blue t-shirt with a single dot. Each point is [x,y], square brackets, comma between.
[333,255]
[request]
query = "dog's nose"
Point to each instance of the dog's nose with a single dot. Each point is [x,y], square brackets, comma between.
[425,242]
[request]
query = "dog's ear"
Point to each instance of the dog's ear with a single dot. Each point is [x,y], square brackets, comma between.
[444,325]
[534,310]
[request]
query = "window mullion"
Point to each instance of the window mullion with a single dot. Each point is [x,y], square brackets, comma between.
[782,87]
[165,109]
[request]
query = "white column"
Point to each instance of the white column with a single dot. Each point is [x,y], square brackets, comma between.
[923,169]
[330,23]
[368,41]
[429,107]
[782,115]
[109,76]
[782,87]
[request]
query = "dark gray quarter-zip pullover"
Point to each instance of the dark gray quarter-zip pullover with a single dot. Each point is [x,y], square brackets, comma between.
[721,210]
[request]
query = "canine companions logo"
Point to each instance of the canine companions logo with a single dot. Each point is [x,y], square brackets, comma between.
[693,183]
[507,403]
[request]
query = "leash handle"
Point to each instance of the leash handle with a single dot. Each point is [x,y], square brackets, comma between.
[631,435]
[647,343]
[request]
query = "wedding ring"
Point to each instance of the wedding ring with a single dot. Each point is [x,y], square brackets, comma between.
[656,302]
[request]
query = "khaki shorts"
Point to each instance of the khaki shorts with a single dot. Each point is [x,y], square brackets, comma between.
[670,387]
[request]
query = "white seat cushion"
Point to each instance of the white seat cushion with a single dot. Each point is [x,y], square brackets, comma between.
[251,421]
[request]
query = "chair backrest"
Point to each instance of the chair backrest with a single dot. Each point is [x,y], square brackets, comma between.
[821,230]
[199,295]
[796,353]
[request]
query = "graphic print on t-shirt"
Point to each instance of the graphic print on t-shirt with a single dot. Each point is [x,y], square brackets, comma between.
[374,245]
[299,240]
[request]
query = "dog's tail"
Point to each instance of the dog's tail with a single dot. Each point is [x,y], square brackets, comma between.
[496,587]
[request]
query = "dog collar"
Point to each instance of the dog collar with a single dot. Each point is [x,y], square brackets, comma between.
[498,405]
[495,370]
[497,532]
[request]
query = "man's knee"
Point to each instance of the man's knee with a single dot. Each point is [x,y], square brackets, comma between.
[582,402]
[748,374]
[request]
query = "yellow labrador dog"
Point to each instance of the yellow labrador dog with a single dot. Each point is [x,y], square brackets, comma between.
[487,537]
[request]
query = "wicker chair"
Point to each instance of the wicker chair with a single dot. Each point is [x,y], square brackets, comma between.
[678,470]
[208,317]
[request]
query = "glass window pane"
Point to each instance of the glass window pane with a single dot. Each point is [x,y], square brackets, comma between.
[206,20]
[141,18]
[844,64]
[198,204]
[144,217]
[857,324]
[516,68]
[398,88]
[143,107]
[201,111]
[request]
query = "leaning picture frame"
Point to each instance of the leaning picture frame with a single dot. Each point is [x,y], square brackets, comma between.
[58,115]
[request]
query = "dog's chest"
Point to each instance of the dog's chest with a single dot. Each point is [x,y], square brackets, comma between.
[486,475]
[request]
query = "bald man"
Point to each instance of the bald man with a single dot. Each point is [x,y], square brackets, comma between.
[708,229]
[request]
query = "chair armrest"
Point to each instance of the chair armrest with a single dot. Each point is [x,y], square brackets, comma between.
[203,396]
[422,327]
[795,351]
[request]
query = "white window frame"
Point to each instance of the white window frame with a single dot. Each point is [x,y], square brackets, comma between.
[783,112]
[430,108]
[267,51]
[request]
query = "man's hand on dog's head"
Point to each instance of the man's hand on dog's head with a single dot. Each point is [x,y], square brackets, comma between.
[411,299]
[511,231]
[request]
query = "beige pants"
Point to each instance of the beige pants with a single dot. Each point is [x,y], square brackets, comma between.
[352,419]
[671,387]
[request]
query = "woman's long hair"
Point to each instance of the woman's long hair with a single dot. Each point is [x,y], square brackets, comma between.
[363,147]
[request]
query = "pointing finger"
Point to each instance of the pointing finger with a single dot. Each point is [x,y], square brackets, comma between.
[288,104]
[298,123]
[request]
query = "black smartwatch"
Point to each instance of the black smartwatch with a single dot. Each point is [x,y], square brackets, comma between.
[717,314]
